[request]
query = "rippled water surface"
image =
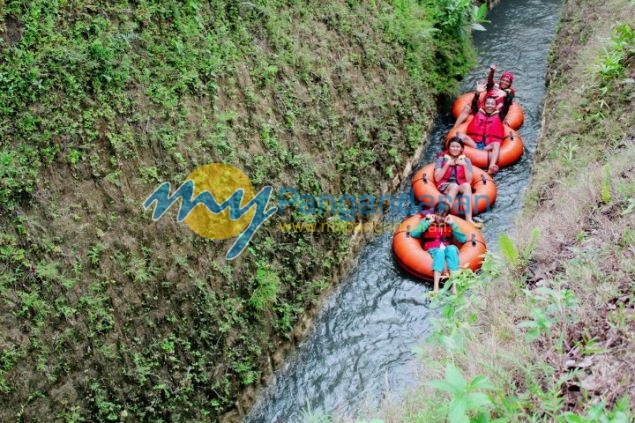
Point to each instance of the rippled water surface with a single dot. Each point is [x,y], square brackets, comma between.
[361,345]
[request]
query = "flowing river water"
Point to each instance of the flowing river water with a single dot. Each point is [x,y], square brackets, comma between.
[360,348]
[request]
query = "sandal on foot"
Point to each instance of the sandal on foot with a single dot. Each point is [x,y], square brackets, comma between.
[493,170]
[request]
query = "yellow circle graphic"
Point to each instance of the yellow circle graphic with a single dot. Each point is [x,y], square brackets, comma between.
[221,181]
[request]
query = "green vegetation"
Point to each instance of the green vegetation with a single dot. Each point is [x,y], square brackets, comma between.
[107,316]
[546,332]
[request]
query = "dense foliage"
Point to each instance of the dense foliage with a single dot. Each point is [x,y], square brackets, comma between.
[104,314]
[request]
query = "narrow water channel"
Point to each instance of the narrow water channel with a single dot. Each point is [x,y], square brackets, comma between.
[360,348]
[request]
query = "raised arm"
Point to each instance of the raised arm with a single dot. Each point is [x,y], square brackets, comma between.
[490,77]
[463,116]
[420,230]
[440,167]
[457,233]
[474,106]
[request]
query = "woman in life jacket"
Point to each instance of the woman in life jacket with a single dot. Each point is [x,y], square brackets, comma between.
[437,231]
[501,91]
[486,131]
[453,173]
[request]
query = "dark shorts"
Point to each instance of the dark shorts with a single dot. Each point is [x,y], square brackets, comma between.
[444,187]
[480,145]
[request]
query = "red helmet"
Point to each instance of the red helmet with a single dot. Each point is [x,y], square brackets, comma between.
[509,75]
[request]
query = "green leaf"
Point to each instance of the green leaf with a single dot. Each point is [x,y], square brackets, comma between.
[449,342]
[624,403]
[442,385]
[482,417]
[573,418]
[508,249]
[531,245]
[481,382]
[477,400]
[454,376]
[621,417]
[597,411]
[532,335]
[457,411]
[480,12]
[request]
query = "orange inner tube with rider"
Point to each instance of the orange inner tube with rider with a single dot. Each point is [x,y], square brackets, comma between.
[483,191]
[511,148]
[502,92]
[485,131]
[410,254]
[514,119]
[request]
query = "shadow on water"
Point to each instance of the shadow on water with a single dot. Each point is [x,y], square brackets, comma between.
[360,348]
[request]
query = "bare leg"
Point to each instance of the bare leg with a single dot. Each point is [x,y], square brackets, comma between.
[437,278]
[494,151]
[467,140]
[466,189]
[496,148]
[451,192]
[463,115]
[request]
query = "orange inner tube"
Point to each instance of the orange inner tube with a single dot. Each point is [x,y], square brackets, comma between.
[511,150]
[515,116]
[416,261]
[483,191]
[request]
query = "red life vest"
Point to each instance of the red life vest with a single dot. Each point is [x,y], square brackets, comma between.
[460,174]
[436,234]
[486,128]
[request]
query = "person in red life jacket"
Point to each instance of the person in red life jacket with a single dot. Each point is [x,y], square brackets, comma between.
[437,231]
[453,174]
[502,92]
[486,131]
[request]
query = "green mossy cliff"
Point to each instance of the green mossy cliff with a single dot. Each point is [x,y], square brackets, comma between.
[106,315]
